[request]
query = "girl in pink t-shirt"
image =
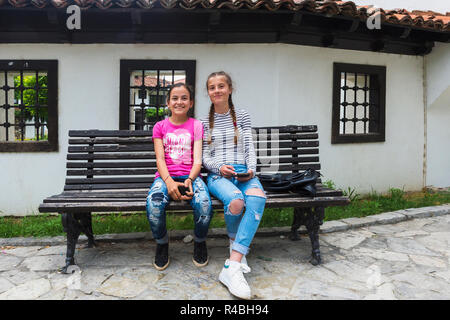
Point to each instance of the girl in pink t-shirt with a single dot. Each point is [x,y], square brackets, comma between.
[178,148]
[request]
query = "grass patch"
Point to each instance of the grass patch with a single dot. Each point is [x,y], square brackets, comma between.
[46,225]
[396,199]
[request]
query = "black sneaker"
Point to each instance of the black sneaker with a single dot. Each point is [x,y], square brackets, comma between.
[162,256]
[200,257]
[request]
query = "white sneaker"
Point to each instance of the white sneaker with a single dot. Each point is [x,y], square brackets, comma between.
[245,267]
[231,276]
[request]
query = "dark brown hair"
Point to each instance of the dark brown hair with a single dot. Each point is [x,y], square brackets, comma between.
[181,84]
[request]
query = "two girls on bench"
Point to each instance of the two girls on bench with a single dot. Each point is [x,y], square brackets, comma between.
[178,148]
[229,156]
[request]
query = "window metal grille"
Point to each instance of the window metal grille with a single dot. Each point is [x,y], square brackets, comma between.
[358,103]
[28,105]
[144,88]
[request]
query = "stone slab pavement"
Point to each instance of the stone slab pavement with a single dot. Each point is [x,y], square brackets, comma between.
[402,255]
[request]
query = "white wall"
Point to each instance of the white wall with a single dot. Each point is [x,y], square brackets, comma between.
[397,162]
[278,84]
[438,116]
[441,6]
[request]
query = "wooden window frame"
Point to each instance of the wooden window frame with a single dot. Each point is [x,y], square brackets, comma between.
[128,65]
[376,72]
[51,67]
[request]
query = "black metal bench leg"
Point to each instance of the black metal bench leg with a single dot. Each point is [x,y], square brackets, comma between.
[299,220]
[71,227]
[313,222]
[86,228]
[74,224]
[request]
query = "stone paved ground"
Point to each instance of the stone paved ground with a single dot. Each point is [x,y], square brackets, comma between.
[405,260]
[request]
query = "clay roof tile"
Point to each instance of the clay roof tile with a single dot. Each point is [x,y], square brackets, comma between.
[418,18]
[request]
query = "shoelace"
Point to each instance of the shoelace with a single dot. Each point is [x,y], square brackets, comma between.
[245,268]
[239,275]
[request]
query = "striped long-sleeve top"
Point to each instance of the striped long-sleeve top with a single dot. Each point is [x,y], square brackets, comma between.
[222,149]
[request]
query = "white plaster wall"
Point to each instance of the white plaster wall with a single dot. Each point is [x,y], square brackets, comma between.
[398,161]
[441,6]
[277,84]
[438,116]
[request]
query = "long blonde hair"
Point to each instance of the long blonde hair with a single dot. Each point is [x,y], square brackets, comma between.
[230,104]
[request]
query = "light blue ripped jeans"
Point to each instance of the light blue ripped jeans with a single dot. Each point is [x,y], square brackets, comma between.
[241,227]
[158,198]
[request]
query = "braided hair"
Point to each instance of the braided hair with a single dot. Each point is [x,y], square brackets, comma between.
[230,104]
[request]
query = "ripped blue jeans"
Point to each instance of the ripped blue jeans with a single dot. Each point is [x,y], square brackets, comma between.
[242,226]
[158,198]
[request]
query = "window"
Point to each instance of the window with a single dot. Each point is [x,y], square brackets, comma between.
[144,85]
[358,103]
[28,105]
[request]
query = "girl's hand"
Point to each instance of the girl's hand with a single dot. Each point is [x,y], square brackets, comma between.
[243,179]
[172,188]
[190,193]
[227,171]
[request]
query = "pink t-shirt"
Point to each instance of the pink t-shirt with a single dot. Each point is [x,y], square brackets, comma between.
[178,144]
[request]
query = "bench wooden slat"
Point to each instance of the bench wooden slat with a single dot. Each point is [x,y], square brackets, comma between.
[137,206]
[70,195]
[294,144]
[258,138]
[288,129]
[151,155]
[315,166]
[114,183]
[110,180]
[113,148]
[115,156]
[91,199]
[116,140]
[115,172]
[127,164]
[110,133]
[275,136]
[271,138]
[150,147]
[285,152]
[119,199]
[141,133]
[118,172]
[274,160]
[152,164]
[109,186]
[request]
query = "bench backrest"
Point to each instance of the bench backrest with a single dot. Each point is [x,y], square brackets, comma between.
[125,159]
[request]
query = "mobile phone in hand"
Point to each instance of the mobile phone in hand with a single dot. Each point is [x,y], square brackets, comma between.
[183,190]
[243,174]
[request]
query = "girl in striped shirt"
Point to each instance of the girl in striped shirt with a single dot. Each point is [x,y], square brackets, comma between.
[229,156]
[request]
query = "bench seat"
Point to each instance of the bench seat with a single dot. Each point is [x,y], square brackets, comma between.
[134,201]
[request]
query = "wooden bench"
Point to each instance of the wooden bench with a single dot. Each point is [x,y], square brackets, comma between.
[112,170]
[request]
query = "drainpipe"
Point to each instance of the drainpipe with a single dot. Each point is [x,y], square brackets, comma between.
[425,131]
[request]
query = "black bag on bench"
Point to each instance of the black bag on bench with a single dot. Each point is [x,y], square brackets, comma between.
[303,183]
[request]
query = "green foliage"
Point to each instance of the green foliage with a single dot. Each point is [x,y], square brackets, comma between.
[329,184]
[277,217]
[395,199]
[351,194]
[29,90]
[31,226]
[151,112]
